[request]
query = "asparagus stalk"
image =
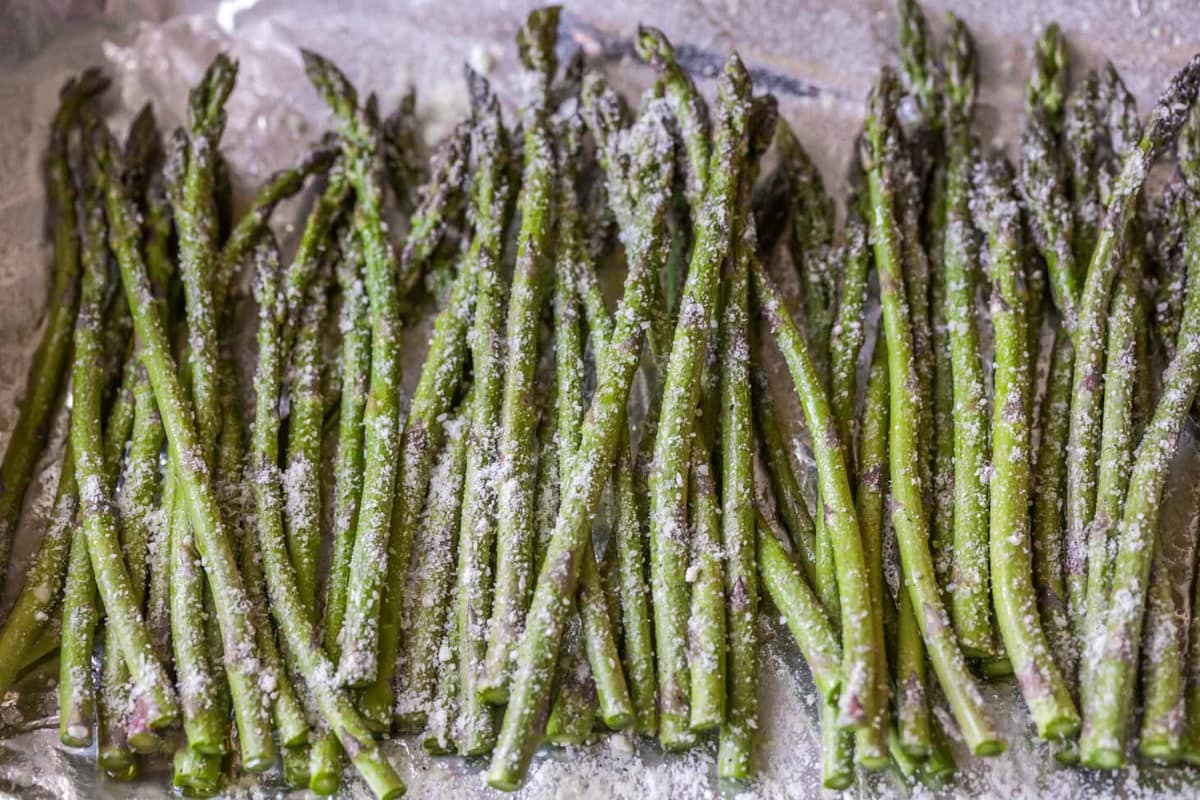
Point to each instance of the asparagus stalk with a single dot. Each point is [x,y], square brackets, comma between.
[1042,181]
[707,616]
[441,199]
[476,720]
[1049,482]
[515,524]
[1166,120]
[869,505]
[348,462]
[649,145]
[916,562]
[969,602]
[76,686]
[295,620]
[359,662]
[1025,642]
[1116,441]
[50,359]
[620,706]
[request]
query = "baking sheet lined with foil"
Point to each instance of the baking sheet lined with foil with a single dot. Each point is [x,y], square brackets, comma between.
[818,56]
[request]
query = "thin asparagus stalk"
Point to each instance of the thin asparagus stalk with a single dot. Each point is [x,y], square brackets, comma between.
[359,644]
[1165,650]
[707,616]
[402,150]
[1049,483]
[76,686]
[907,515]
[911,679]
[869,504]
[969,602]
[735,753]
[1082,465]
[43,587]
[942,464]
[278,187]
[621,704]
[687,108]
[668,475]
[784,485]
[348,462]
[295,620]
[1015,601]
[45,377]
[649,144]
[1108,702]
[441,199]
[574,708]
[849,327]
[302,517]
[1117,441]
[1082,133]
[515,529]
[476,718]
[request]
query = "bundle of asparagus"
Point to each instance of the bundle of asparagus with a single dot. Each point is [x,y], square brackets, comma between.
[481,593]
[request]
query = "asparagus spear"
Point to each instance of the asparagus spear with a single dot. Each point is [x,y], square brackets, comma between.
[869,505]
[515,529]
[879,161]
[348,462]
[359,644]
[295,620]
[1166,120]
[1041,683]
[617,706]
[1049,482]
[668,524]
[969,602]
[476,720]
[707,616]
[49,360]
[649,145]
[441,199]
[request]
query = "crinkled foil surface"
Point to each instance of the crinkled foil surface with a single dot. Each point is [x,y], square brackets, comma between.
[817,56]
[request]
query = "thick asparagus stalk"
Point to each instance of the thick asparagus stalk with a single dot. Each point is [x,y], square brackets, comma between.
[1041,683]
[515,528]
[969,602]
[476,719]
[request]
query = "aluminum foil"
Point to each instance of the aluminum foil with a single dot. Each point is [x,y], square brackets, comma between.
[817,56]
